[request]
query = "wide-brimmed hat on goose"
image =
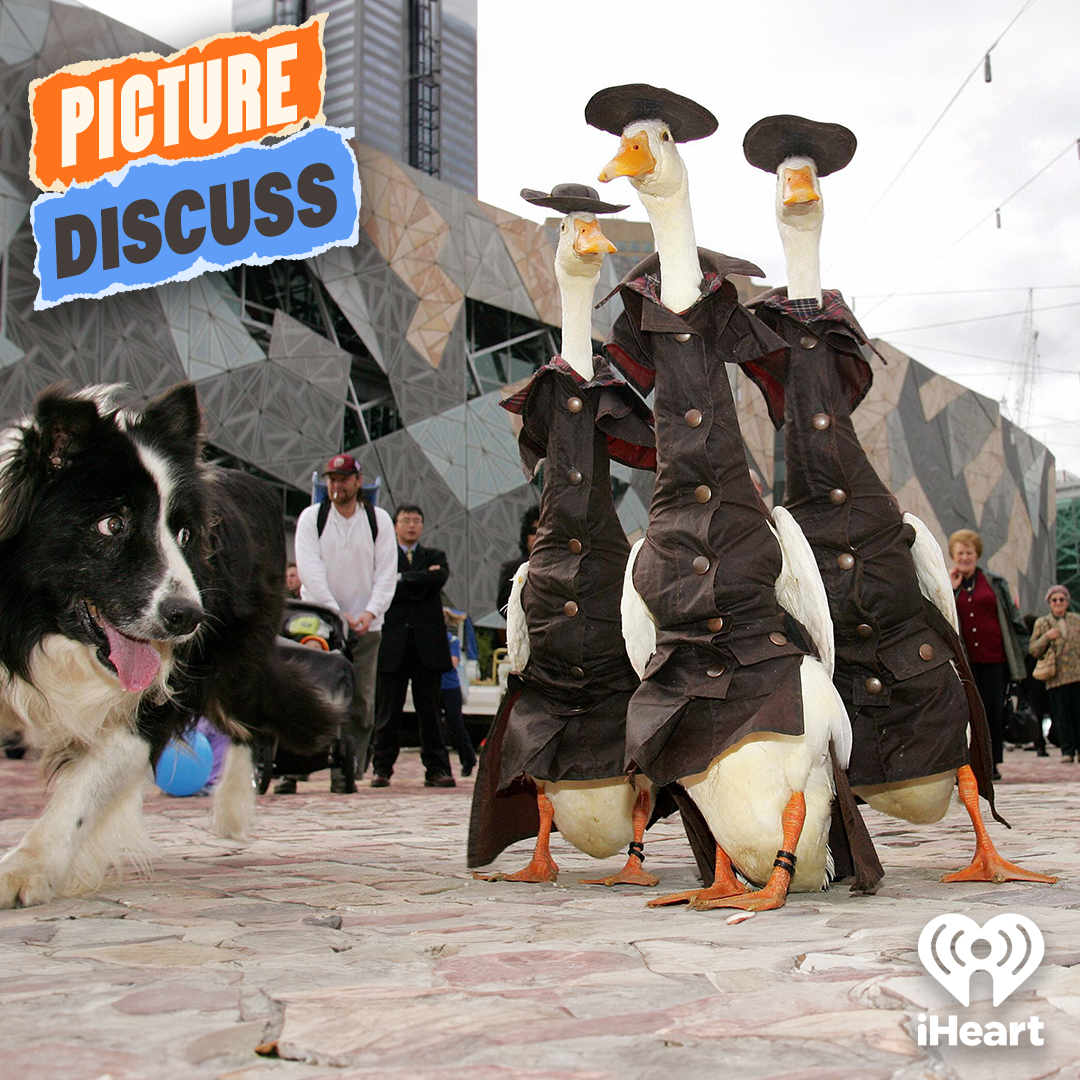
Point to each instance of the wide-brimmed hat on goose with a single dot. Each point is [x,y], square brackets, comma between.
[612,108]
[774,139]
[566,198]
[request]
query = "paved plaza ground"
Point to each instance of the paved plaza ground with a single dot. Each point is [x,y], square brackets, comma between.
[348,941]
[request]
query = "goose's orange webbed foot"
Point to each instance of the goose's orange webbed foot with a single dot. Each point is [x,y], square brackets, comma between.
[724,884]
[987,865]
[632,873]
[542,868]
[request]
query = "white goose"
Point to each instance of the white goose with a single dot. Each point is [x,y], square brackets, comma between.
[800,215]
[598,817]
[768,794]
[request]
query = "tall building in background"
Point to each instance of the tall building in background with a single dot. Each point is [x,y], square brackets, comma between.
[401,72]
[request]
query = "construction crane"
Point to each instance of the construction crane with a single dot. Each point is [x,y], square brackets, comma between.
[1026,368]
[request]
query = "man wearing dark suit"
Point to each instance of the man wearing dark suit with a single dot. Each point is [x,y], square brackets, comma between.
[413,648]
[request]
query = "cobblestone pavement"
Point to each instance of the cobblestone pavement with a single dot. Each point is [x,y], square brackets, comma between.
[348,935]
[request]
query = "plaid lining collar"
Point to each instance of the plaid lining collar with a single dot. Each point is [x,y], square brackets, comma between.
[649,285]
[832,309]
[603,375]
[644,278]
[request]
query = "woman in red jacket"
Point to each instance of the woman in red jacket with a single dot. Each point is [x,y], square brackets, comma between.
[992,628]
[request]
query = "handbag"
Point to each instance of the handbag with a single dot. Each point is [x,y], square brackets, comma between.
[1046,668]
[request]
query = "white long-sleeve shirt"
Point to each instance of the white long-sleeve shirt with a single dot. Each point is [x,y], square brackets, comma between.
[342,569]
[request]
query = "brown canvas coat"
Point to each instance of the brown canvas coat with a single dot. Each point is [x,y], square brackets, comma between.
[725,665]
[564,716]
[908,705]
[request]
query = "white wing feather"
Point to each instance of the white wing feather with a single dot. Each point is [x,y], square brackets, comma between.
[933,573]
[638,625]
[799,589]
[517,630]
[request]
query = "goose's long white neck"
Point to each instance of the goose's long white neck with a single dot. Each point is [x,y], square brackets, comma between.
[803,259]
[673,230]
[576,292]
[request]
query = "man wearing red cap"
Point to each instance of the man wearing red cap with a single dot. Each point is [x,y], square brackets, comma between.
[349,569]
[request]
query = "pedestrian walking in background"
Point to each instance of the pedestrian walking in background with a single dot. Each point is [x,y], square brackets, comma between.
[348,562]
[992,629]
[454,692]
[413,649]
[292,581]
[1059,634]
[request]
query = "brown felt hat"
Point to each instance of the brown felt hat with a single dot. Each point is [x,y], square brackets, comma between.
[773,139]
[566,198]
[612,108]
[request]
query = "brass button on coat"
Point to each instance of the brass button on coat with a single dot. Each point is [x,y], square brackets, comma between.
[574,546]
[701,565]
[682,337]
[864,630]
[845,561]
[569,609]
[574,476]
[578,673]
[715,625]
[838,496]
[703,493]
[873,685]
[693,418]
[821,420]
[574,404]
[715,671]
[777,638]
[926,652]
[808,342]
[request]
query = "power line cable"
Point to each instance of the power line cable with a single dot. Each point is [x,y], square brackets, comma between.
[941,254]
[976,318]
[980,356]
[922,142]
[958,292]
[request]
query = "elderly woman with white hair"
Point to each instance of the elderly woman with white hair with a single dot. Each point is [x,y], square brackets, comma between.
[1059,633]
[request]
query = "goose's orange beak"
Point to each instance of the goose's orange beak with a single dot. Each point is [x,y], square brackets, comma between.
[799,187]
[633,159]
[589,240]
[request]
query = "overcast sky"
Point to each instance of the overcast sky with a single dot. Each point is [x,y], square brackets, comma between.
[886,71]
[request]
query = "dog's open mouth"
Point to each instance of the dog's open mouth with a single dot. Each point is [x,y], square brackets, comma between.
[135,662]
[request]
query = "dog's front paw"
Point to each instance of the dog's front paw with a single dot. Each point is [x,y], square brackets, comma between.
[23,883]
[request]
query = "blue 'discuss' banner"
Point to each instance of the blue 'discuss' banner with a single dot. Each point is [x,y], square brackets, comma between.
[156,222]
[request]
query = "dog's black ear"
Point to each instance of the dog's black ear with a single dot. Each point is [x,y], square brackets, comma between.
[174,416]
[60,428]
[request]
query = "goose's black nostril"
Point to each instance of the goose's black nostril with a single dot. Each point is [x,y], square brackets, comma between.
[181,616]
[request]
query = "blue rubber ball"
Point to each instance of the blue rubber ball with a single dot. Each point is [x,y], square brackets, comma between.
[185,765]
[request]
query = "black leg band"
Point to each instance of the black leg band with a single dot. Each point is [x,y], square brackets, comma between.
[637,848]
[786,861]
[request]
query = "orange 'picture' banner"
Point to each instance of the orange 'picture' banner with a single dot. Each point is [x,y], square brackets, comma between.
[94,118]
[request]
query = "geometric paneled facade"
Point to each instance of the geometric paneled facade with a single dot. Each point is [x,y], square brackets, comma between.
[403,345]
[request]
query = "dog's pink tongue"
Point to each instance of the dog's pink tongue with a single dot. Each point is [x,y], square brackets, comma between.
[136,662]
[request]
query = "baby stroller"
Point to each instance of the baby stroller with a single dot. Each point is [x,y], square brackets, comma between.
[317,638]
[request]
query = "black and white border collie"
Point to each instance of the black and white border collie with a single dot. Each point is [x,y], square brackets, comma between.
[139,587]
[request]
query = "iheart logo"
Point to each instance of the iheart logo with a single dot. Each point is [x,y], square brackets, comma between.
[945,948]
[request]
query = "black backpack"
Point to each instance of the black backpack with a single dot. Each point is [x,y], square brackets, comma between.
[324,514]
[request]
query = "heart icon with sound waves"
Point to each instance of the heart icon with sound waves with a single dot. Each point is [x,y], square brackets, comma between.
[945,949]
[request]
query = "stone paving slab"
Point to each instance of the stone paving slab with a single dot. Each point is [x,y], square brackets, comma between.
[348,940]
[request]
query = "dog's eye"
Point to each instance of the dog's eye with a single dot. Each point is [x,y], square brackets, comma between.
[183,536]
[112,525]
